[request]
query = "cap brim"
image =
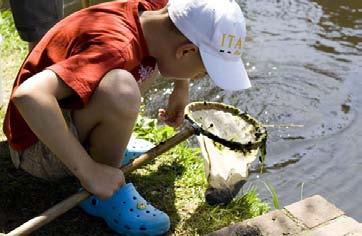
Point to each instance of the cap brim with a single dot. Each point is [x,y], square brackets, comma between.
[226,74]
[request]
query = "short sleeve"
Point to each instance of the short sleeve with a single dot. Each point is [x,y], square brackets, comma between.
[83,71]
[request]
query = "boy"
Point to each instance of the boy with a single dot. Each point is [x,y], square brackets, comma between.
[77,95]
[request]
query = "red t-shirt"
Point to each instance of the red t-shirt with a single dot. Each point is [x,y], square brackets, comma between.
[81,49]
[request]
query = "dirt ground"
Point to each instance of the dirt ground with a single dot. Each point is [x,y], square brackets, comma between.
[24,197]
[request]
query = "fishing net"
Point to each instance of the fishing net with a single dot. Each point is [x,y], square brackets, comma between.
[227,126]
[230,140]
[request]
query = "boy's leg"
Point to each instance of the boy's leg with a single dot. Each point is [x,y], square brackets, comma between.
[105,126]
[106,123]
[39,161]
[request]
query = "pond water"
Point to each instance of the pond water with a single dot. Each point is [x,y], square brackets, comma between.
[304,58]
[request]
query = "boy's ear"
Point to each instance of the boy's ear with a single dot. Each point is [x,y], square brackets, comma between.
[186,49]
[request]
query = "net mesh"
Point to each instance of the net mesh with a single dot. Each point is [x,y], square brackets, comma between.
[224,167]
[225,125]
[230,141]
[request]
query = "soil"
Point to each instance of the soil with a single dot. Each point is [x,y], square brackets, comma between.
[24,197]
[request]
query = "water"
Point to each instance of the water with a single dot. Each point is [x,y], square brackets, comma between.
[304,60]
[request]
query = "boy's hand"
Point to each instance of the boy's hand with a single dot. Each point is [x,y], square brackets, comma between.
[174,115]
[102,180]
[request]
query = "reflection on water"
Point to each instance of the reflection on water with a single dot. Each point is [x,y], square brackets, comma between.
[304,59]
[341,22]
[341,15]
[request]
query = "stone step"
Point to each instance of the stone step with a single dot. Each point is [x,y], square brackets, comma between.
[313,216]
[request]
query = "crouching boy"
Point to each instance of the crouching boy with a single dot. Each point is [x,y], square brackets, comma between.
[77,95]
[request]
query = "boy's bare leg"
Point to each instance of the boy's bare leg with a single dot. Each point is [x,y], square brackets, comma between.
[106,123]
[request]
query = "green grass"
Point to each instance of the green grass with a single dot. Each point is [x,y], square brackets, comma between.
[174,182]
[12,52]
[2,114]
[11,41]
[184,194]
[273,192]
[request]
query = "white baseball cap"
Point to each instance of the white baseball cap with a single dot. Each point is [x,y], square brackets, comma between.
[217,28]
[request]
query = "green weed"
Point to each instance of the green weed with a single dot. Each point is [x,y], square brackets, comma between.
[274,194]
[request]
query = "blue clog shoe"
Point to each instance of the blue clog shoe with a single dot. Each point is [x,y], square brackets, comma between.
[135,148]
[127,213]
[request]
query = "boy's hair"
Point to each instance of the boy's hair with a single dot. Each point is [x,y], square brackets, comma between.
[173,27]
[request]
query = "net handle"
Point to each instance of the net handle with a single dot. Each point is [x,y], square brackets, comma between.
[260,129]
[67,204]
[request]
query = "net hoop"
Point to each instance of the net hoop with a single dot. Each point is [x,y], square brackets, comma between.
[260,130]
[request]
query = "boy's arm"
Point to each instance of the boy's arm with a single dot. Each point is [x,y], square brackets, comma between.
[174,115]
[37,101]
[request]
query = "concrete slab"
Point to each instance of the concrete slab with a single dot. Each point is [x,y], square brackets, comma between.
[275,223]
[240,229]
[355,233]
[313,216]
[341,226]
[314,211]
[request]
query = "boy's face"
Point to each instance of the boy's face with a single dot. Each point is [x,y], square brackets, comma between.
[184,62]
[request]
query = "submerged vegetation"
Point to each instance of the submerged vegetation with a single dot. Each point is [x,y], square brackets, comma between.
[174,182]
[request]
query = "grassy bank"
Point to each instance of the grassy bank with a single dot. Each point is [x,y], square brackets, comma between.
[2,113]
[174,182]
[12,52]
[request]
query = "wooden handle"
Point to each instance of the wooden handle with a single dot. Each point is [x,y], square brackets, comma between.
[75,199]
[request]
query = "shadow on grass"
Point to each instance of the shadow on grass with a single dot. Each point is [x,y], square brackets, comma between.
[217,217]
[158,188]
[23,197]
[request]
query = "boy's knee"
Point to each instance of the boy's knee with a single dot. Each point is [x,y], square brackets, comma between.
[123,96]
